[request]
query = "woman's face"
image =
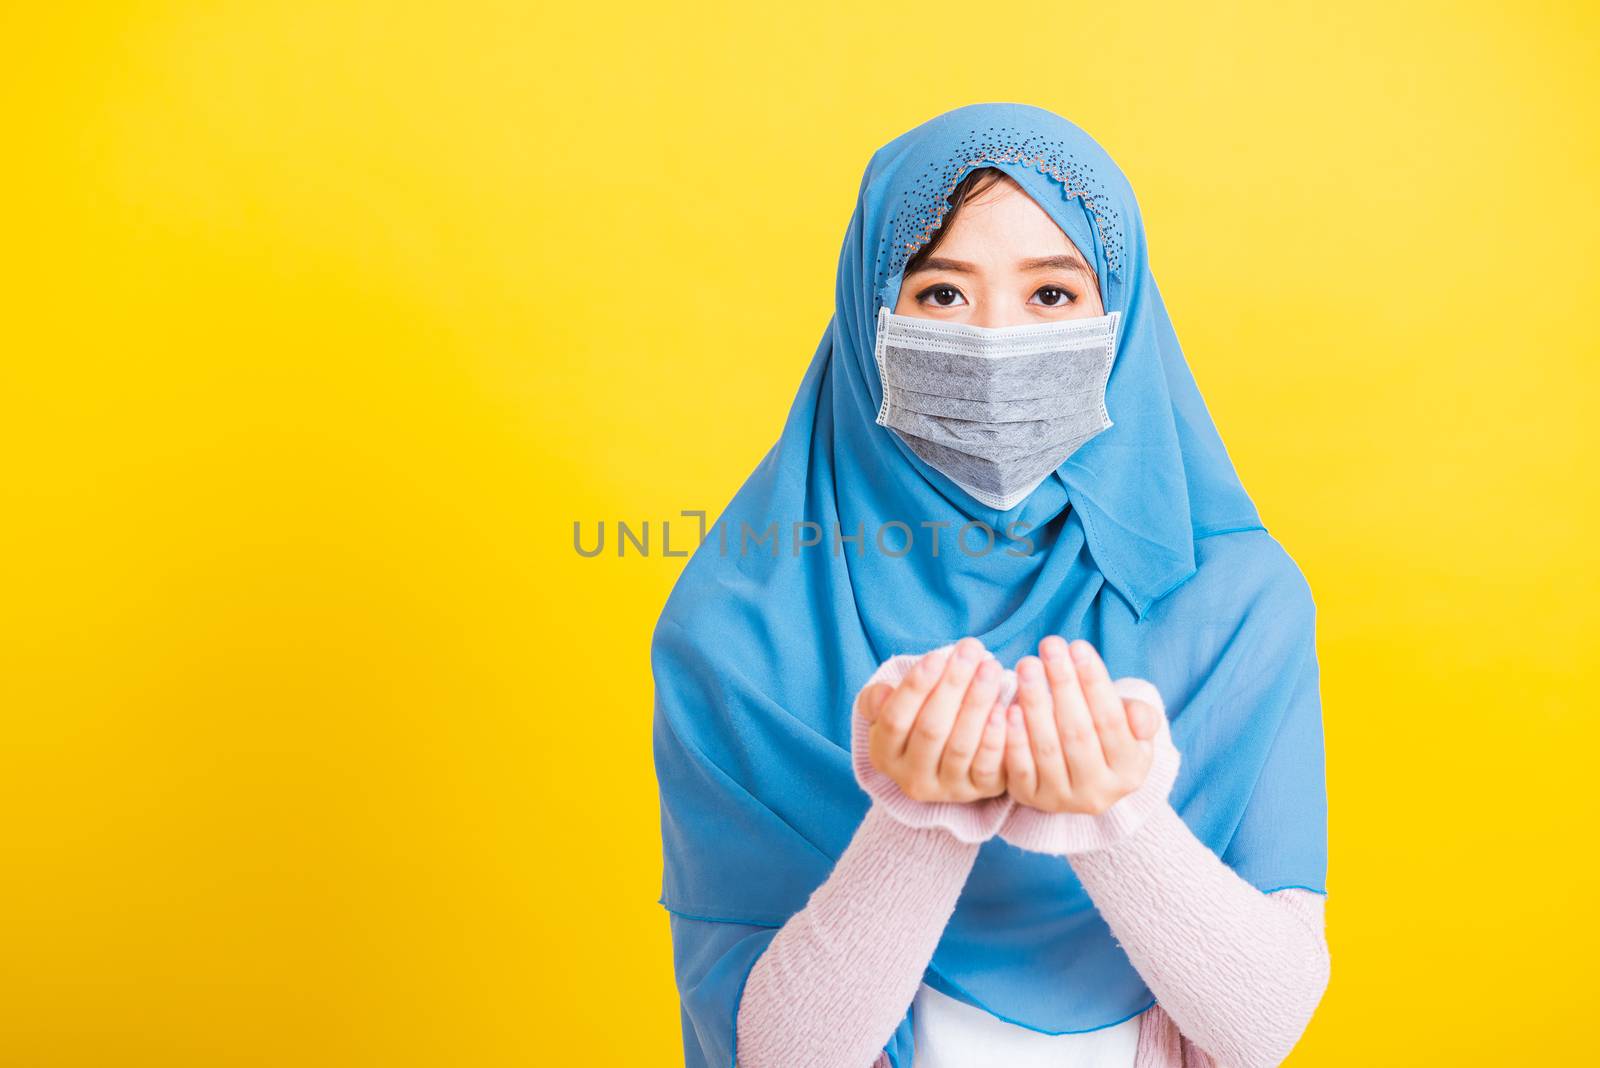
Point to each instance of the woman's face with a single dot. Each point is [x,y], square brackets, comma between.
[1003,262]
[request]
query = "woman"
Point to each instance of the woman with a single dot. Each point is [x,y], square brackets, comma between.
[908,817]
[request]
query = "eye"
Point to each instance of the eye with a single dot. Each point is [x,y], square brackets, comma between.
[1056,296]
[944,296]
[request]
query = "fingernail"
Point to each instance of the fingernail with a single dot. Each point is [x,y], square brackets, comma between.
[1083,652]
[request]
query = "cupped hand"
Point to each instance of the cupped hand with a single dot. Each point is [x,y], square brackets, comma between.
[940,734]
[1073,744]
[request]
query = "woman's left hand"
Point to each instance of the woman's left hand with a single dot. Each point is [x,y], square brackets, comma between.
[1072,743]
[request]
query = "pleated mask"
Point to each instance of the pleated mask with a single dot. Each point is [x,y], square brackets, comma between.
[995,409]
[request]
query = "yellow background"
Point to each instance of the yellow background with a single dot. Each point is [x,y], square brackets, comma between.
[324,322]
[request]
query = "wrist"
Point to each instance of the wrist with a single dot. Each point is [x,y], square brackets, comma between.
[967,821]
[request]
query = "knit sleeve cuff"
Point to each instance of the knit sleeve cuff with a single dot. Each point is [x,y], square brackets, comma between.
[969,821]
[1066,833]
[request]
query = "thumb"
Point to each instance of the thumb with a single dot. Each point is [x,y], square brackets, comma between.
[1142,719]
[872,700]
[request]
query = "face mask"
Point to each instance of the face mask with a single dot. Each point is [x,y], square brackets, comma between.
[995,409]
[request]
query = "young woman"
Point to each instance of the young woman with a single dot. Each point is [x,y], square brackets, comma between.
[988,724]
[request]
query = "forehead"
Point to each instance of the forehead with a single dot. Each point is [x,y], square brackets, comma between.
[1003,220]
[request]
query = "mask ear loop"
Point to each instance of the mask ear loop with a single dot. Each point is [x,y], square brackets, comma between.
[1111,361]
[877,356]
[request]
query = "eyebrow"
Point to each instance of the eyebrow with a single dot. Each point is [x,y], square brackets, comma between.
[1042,263]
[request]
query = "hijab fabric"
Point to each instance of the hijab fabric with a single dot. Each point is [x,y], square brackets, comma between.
[1143,542]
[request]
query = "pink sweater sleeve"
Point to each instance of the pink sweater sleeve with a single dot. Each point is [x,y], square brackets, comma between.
[839,976]
[1239,971]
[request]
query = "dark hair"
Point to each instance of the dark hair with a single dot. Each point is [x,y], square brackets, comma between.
[974,182]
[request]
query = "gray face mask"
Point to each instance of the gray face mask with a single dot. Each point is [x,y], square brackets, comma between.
[996,409]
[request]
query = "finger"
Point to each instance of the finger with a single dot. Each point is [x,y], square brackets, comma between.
[938,713]
[1144,749]
[988,766]
[1033,694]
[1117,740]
[955,766]
[883,748]
[899,710]
[872,700]
[1022,777]
[1141,719]
[1086,764]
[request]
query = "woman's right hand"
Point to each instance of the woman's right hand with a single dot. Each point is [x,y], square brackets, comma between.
[940,734]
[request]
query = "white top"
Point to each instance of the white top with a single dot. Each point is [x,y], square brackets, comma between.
[953,1034]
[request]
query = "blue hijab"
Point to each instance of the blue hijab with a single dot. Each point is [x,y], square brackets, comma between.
[1144,542]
